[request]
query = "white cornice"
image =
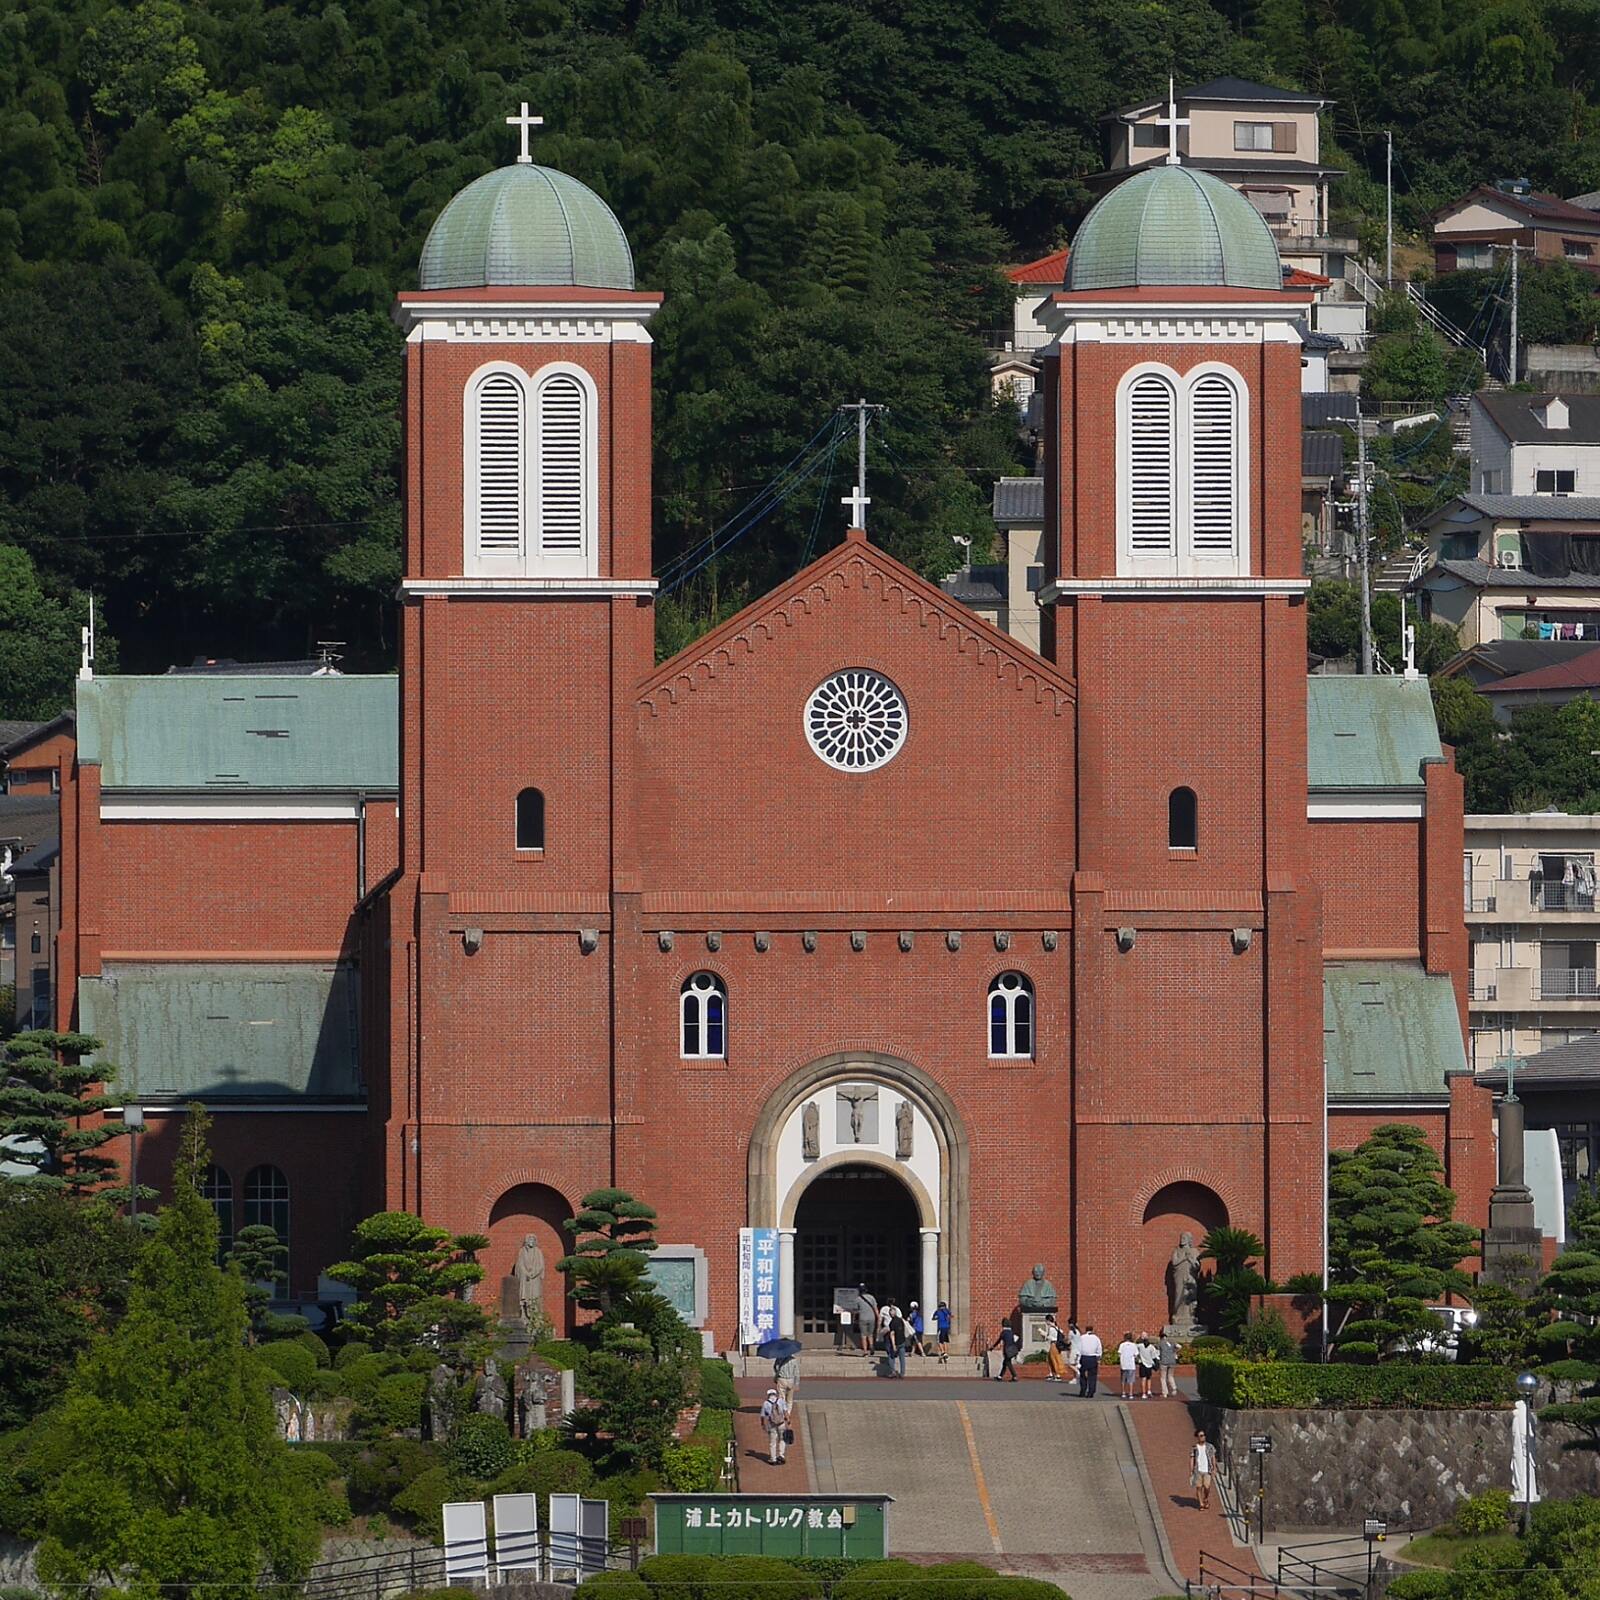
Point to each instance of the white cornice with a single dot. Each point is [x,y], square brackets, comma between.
[252,805]
[566,322]
[1167,588]
[1139,322]
[524,588]
[1395,804]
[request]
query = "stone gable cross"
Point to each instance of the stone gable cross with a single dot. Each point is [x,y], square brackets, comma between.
[526,124]
[1171,122]
[858,503]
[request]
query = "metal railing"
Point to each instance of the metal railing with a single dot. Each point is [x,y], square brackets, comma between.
[1442,324]
[1337,1566]
[395,1572]
[1021,339]
[1221,1579]
[1480,903]
[1480,989]
[1559,896]
[1566,983]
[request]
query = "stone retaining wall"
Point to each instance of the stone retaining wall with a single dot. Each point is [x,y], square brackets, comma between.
[1333,1469]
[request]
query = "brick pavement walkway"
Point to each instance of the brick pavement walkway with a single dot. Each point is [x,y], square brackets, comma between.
[756,1474]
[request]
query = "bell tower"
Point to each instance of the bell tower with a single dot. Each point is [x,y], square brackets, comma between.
[526,621]
[1174,597]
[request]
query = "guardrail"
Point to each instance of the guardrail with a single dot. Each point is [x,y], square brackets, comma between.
[1560,897]
[1566,983]
[1340,1566]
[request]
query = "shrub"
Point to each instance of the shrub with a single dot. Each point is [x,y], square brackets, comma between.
[1267,1338]
[716,1385]
[537,1443]
[353,1351]
[360,1376]
[562,1354]
[344,1453]
[626,1491]
[422,1500]
[289,1364]
[762,1578]
[482,1446]
[1488,1512]
[460,1592]
[384,1469]
[329,1502]
[613,1580]
[1196,1347]
[690,1468]
[395,1402]
[884,1580]
[713,1430]
[1246,1385]
[1423,1586]
[549,1472]
[307,1340]
[680,1577]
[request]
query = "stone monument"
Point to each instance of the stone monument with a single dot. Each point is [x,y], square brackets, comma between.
[440,1408]
[494,1398]
[529,1273]
[1184,1268]
[1512,1243]
[1038,1301]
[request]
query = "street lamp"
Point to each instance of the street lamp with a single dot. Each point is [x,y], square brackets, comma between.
[1527,1387]
[133,1121]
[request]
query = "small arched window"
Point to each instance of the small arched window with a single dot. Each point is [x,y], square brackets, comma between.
[1214,468]
[703,1009]
[217,1188]
[1150,510]
[499,454]
[266,1201]
[1183,820]
[1010,1016]
[530,819]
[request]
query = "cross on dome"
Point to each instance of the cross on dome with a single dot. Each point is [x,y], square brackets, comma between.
[858,503]
[1171,122]
[526,124]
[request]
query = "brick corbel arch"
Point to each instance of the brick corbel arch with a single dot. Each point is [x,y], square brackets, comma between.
[1204,1177]
[955,1196]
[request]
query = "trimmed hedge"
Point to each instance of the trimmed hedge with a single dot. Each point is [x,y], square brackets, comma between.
[1274,1385]
[716,1385]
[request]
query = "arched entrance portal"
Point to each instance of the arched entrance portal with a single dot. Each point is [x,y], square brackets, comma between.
[854,1224]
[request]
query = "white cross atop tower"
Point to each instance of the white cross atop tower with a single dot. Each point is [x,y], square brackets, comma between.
[1171,122]
[858,503]
[526,124]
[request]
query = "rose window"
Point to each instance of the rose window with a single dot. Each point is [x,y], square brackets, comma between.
[856,720]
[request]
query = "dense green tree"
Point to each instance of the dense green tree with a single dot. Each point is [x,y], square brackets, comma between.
[613,1236]
[40,641]
[1333,627]
[46,1092]
[634,1395]
[1234,1282]
[1392,1247]
[411,1281]
[65,1267]
[170,1474]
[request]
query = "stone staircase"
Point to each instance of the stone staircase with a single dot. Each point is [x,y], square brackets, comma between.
[838,1364]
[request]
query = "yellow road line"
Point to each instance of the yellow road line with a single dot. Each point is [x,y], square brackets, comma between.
[977,1474]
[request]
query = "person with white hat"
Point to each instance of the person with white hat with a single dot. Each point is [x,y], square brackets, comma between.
[775,1419]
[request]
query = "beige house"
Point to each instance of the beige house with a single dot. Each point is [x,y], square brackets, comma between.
[1466,231]
[1263,141]
[1507,566]
[1006,592]
[1529,888]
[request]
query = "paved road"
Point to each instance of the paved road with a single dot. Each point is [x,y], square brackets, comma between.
[1012,1474]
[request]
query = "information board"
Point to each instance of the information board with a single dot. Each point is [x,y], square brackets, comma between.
[466,1541]
[856,1526]
[516,1533]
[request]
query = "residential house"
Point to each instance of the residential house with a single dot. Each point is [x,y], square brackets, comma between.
[1006,592]
[1514,567]
[1497,659]
[1466,231]
[1536,444]
[1546,686]
[1322,478]
[30,832]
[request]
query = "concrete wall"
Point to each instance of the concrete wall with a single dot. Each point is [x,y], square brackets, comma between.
[1332,1469]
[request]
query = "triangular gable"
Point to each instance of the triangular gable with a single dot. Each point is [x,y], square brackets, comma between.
[855,563]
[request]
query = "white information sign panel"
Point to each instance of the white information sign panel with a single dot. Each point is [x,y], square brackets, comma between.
[594,1535]
[466,1541]
[516,1533]
[566,1518]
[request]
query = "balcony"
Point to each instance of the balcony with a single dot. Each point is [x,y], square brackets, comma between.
[1566,983]
[1025,340]
[1524,900]
[1560,897]
[1480,903]
[1297,235]
[1480,987]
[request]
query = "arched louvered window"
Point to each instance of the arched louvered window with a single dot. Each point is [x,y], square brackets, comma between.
[562,430]
[499,447]
[1149,487]
[1213,469]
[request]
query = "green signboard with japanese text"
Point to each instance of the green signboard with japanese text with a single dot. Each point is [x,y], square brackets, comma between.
[850,1525]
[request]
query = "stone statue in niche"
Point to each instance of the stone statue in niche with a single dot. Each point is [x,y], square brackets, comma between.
[904,1128]
[1185,1270]
[810,1132]
[858,1114]
[529,1273]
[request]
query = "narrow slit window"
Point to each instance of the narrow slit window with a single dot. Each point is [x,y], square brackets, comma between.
[530,819]
[1183,820]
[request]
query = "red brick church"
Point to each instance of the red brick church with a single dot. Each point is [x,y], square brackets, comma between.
[856,919]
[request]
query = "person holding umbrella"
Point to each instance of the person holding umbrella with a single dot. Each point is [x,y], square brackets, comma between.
[784,1354]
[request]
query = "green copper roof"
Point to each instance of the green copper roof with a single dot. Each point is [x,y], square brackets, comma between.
[226,1030]
[1390,1031]
[1369,733]
[526,226]
[215,732]
[1174,225]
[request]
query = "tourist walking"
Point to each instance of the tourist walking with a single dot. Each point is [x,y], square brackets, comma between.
[786,1374]
[775,1419]
[1168,1349]
[866,1320]
[1149,1360]
[1128,1365]
[1090,1351]
[941,1327]
[885,1311]
[1054,1343]
[1006,1344]
[918,1328]
[1202,1463]
[1074,1349]
[894,1342]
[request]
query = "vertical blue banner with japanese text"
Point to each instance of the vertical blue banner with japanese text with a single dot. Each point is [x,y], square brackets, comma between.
[758,1285]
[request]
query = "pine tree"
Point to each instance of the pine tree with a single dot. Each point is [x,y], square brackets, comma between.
[613,1235]
[174,1478]
[45,1094]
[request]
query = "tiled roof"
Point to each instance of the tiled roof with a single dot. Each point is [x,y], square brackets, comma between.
[1018,500]
[39,857]
[1480,575]
[11,731]
[226,1031]
[1581,672]
[1390,1032]
[227,667]
[1299,278]
[1321,454]
[222,733]
[977,586]
[1523,508]
[1513,415]
[1500,658]
[1317,410]
[1369,732]
[1227,88]
[1577,1061]
[1540,207]
[1051,269]
[29,817]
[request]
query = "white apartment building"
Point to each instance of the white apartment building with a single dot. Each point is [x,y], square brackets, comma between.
[1529,884]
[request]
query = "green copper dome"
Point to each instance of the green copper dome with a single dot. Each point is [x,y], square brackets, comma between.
[526,226]
[1174,225]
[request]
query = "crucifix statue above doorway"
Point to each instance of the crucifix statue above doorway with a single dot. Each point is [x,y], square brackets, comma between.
[858,1113]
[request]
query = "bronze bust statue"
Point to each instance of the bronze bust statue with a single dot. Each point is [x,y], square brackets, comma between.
[1038,1293]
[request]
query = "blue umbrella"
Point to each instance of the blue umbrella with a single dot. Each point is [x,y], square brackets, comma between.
[778,1349]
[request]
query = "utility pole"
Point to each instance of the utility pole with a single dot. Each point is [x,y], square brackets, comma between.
[862,410]
[1363,548]
[1516,250]
[1388,212]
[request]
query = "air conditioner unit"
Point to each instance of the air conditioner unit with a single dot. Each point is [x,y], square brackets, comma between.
[1511,559]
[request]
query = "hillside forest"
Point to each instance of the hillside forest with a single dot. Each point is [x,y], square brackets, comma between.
[207,205]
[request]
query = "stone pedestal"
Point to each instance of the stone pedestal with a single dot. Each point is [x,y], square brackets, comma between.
[1512,1243]
[1033,1334]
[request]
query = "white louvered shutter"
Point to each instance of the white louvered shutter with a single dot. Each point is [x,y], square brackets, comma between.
[562,512]
[1214,477]
[1151,448]
[500,458]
